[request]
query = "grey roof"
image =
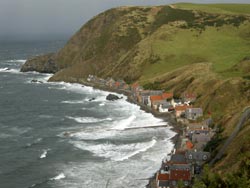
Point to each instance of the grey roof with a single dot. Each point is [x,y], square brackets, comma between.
[198,156]
[164,184]
[151,92]
[180,166]
[194,110]
[201,138]
[178,158]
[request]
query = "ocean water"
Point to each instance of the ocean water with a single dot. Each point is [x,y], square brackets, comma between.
[52,136]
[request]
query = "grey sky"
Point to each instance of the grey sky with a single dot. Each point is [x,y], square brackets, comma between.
[44,19]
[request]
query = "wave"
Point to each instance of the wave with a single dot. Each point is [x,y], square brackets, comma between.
[9,70]
[88,119]
[58,177]
[123,124]
[73,102]
[38,140]
[44,154]
[115,152]
[102,104]
[16,61]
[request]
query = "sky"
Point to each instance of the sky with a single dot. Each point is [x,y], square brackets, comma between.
[60,19]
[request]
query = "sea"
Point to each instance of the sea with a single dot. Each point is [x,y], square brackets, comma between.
[52,135]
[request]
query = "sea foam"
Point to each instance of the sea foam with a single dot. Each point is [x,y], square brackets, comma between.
[115,152]
[58,177]
[88,119]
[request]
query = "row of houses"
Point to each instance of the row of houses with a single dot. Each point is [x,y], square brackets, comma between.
[164,102]
[109,82]
[181,168]
[158,100]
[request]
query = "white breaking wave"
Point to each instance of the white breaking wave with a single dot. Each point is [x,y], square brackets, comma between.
[102,104]
[9,70]
[88,119]
[58,177]
[73,102]
[123,124]
[44,154]
[17,61]
[115,152]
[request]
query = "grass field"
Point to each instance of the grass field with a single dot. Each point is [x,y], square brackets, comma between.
[217,8]
[223,47]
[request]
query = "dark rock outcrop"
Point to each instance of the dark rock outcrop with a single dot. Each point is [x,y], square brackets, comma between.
[36,81]
[112,97]
[43,64]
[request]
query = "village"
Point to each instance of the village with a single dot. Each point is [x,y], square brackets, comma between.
[186,160]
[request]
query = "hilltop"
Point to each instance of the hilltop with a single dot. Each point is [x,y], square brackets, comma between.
[182,47]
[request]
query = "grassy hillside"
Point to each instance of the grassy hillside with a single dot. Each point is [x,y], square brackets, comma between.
[217,8]
[203,49]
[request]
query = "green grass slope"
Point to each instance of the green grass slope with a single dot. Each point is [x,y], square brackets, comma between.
[217,8]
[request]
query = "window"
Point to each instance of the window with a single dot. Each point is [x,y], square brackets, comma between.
[190,156]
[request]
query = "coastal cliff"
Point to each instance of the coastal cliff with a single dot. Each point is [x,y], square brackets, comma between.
[203,49]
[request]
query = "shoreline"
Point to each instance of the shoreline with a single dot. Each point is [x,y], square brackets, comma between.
[166,117]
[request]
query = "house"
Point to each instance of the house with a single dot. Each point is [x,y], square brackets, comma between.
[178,158]
[193,113]
[167,96]
[180,175]
[162,180]
[136,88]
[180,110]
[91,78]
[165,107]
[160,100]
[117,85]
[174,174]
[110,82]
[189,145]
[121,84]
[177,102]
[188,97]
[156,100]
[198,137]
[171,166]
[144,96]
[197,156]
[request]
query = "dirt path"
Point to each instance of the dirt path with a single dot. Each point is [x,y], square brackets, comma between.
[173,6]
[244,117]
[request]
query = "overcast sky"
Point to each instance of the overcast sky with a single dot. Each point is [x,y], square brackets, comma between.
[47,19]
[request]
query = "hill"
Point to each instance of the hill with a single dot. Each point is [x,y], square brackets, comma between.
[182,47]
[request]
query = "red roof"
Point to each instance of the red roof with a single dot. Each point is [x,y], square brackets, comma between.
[163,177]
[117,84]
[181,108]
[156,98]
[135,85]
[189,145]
[180,175]
[167,95]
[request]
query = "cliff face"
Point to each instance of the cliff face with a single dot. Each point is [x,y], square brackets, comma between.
[203,49]
[43,64]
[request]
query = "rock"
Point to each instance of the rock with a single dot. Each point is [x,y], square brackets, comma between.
[92,99]
[42,64]
[36,81]
[112,97]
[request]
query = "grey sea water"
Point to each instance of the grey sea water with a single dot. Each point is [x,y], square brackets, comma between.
[51,135]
